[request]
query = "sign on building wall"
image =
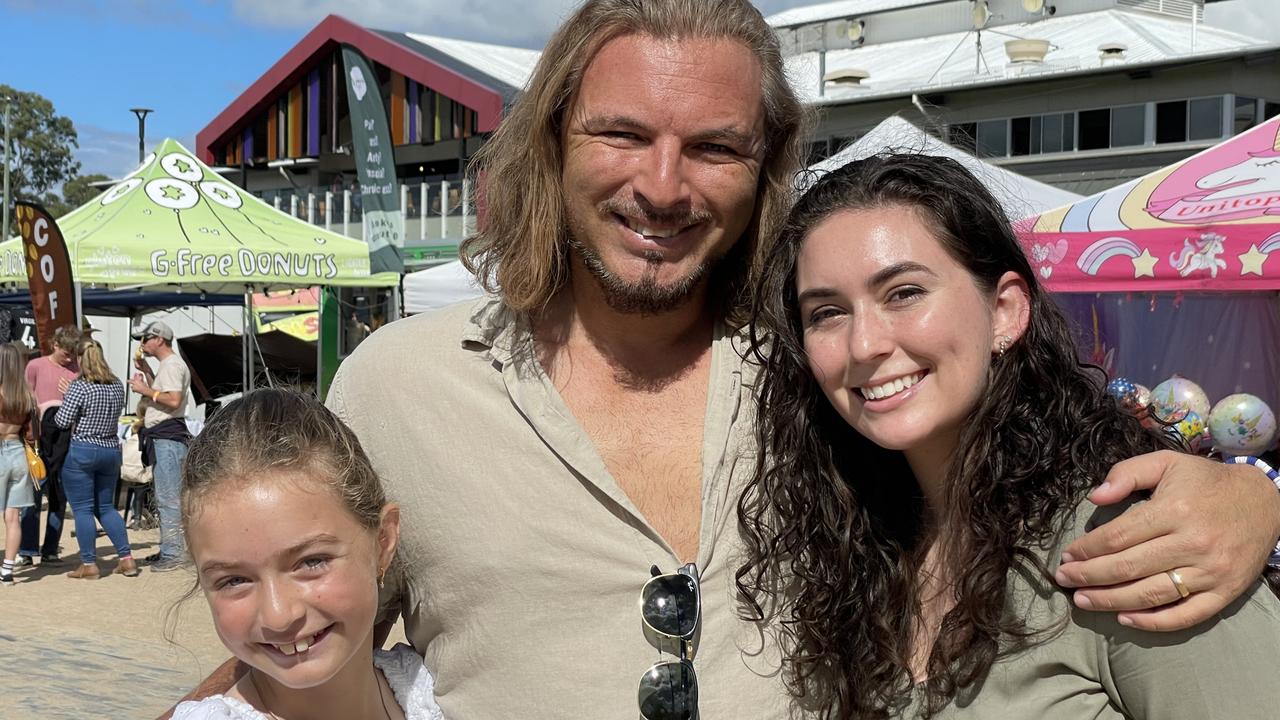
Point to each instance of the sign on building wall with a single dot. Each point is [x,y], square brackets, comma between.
[375,164]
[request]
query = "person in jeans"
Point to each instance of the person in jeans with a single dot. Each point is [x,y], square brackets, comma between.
[16,405]
[164,434]
[48,377]
[91,410]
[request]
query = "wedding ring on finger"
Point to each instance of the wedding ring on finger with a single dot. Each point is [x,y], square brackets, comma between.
[1178,585]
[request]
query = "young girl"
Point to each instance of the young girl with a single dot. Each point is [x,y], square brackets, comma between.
[291,535]
[931,439]
[16,405]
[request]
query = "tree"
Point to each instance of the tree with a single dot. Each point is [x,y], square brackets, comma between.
[78,191]
[45,142]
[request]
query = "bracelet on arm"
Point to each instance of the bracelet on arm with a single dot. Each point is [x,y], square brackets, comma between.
[154,395]
[1274,560]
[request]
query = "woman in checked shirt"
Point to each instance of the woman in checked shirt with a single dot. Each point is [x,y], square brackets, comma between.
[91,409]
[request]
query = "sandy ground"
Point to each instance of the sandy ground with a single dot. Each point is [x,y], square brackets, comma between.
[81,648]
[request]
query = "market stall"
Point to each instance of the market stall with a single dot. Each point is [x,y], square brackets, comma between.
[1169,274]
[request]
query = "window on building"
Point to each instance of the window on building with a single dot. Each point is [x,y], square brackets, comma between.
[1270,110]
[1095,129]
[993,138]
[963,136]
[1024,135]
[1205,119]
[1058,133]
[1128,125]
[1246,114]
[1171,122]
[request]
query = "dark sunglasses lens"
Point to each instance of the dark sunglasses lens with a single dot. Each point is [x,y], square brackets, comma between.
[670,605]
[669,691]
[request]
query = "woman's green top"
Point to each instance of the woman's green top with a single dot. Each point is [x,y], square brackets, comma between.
[1088,666]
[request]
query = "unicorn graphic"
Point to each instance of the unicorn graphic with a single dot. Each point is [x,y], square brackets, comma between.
[1242,429]
[1202,255]
[1234,181]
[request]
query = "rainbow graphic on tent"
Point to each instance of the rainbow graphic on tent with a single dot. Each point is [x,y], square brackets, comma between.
[1206,223]
[1092,259]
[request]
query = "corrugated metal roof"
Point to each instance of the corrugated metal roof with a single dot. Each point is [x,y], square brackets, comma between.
[950,61]
[511,65]
[839,9]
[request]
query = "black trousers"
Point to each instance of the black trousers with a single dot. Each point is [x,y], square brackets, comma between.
[54,443]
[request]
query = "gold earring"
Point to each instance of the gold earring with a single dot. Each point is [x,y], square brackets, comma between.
[382,573]
[1004,345]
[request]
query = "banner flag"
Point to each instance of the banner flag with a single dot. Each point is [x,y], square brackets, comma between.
[375,164]
[53,296]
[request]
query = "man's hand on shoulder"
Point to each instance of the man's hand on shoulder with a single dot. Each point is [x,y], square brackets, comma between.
[1213,524]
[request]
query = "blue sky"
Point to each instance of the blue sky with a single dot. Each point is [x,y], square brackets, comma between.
[188,59]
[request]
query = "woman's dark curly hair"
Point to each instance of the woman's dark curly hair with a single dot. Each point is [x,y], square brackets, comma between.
[834,524]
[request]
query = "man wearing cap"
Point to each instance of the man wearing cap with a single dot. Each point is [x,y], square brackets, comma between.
[164,435]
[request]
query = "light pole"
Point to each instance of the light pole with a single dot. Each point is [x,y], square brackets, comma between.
[4,228]
[142,130]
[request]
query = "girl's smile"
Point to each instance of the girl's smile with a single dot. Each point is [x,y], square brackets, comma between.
[290,576]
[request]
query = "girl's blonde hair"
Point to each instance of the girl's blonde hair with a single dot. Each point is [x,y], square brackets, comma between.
[93,365]
[273,430]
[15,396]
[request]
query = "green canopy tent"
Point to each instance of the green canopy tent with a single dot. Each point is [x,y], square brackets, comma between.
[175,225]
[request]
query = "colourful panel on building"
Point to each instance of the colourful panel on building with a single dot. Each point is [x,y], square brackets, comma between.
[414,111]
[397,109]
[295,121]
[273,151]
[313,113]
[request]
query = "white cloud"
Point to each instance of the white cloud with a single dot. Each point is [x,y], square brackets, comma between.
[1248,17]
[111,153]
[524,23]
[115,154]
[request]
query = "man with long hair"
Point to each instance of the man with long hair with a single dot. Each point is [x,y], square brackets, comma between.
[588,425]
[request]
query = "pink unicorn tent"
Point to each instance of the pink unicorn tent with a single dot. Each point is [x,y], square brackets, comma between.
[1207,223]
[1170,273]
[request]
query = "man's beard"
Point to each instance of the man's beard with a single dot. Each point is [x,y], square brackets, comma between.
[644,296]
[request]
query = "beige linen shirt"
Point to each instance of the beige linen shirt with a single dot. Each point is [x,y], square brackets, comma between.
[525,559]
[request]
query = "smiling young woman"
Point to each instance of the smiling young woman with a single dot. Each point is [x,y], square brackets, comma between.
[928,439]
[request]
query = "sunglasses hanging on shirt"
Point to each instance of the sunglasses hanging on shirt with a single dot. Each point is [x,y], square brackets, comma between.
[671,606]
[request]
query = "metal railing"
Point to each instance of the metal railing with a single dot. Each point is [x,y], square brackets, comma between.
[1177,8]
[434,212]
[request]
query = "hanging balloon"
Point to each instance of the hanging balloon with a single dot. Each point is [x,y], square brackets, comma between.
[1242,424]
[1172,399]
[1191,428]
[1143,395]
[1124,392]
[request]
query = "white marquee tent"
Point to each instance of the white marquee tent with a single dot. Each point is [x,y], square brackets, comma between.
[1019,195]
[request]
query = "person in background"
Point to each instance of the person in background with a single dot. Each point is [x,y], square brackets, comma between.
[16,405]
[91,411]
[48,377]
[164,434]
